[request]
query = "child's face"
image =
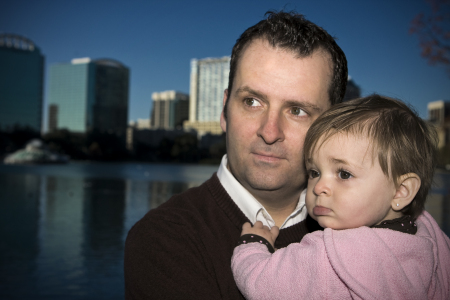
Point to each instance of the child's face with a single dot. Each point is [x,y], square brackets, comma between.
[346,186]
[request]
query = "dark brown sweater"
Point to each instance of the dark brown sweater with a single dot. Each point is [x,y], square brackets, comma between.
[183,248]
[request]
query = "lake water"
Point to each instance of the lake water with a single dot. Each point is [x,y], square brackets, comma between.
[63,227]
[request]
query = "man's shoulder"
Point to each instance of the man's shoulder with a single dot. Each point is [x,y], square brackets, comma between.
[195,213]
[187,201]
[193,230]
[192,207]
[193,198]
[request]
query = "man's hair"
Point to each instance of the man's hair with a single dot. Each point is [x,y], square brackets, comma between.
[291,31]
[402,141]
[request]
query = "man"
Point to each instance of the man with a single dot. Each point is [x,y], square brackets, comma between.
[285,71]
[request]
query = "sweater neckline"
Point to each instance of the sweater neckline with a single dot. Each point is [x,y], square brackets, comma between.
[287,235]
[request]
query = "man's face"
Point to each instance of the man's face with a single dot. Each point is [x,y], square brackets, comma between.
[275,98]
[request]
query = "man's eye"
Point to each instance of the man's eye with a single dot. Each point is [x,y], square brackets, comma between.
[313,174]
[344,175]
[252,102]
[297,111]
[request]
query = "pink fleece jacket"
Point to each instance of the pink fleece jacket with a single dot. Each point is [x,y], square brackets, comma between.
[361,263]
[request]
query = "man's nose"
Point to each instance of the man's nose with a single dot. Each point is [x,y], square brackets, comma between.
[271,129]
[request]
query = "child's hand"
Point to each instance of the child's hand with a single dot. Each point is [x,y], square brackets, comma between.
[261,230]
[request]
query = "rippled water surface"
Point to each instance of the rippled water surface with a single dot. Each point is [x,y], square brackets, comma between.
[63,227]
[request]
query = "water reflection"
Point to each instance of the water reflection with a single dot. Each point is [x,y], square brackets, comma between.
[438,201]
[19,218]
[62,237]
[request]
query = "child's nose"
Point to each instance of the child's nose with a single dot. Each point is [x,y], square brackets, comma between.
[322,187]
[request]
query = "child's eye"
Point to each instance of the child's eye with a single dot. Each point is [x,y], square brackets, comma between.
[344,174]
[313,174]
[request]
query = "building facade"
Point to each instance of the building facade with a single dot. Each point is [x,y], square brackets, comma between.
[21,83]
[439,116]
[352,91]
[169,110]
[87,95]
[209,79]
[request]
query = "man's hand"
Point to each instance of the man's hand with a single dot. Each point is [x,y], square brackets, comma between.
[261,230]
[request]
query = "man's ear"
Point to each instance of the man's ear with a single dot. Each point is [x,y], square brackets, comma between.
[223,120]
[407,189]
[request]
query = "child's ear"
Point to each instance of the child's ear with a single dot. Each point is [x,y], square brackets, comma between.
[409,185]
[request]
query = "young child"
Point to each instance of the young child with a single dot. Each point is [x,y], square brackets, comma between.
[370,164]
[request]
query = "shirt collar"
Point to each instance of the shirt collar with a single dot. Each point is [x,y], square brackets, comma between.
[248,204]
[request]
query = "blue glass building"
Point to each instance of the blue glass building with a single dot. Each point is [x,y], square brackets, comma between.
[87,95]
[21,83]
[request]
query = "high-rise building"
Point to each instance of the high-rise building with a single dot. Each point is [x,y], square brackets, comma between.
[439,116]
[21,83]
[209,79]
[353,91]
[170,110]
[87,95]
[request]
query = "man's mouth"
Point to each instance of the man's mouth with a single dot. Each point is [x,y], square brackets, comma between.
[267,157]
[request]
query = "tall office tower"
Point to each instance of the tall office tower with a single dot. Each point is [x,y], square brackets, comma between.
[170,110]
[209,79]
[87,95]
[353,91]
[21,83]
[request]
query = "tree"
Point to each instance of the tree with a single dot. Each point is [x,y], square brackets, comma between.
[434,33]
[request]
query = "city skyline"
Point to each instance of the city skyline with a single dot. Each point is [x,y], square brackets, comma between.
[88,95]
[157,41]
[208,80]
[21,83]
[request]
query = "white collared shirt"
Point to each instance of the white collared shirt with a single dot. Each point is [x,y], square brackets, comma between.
[248,204]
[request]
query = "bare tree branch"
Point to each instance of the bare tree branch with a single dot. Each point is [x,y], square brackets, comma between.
[433,31]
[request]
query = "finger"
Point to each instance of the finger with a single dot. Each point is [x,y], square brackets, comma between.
[246,225]
[274,231]
[258,224]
